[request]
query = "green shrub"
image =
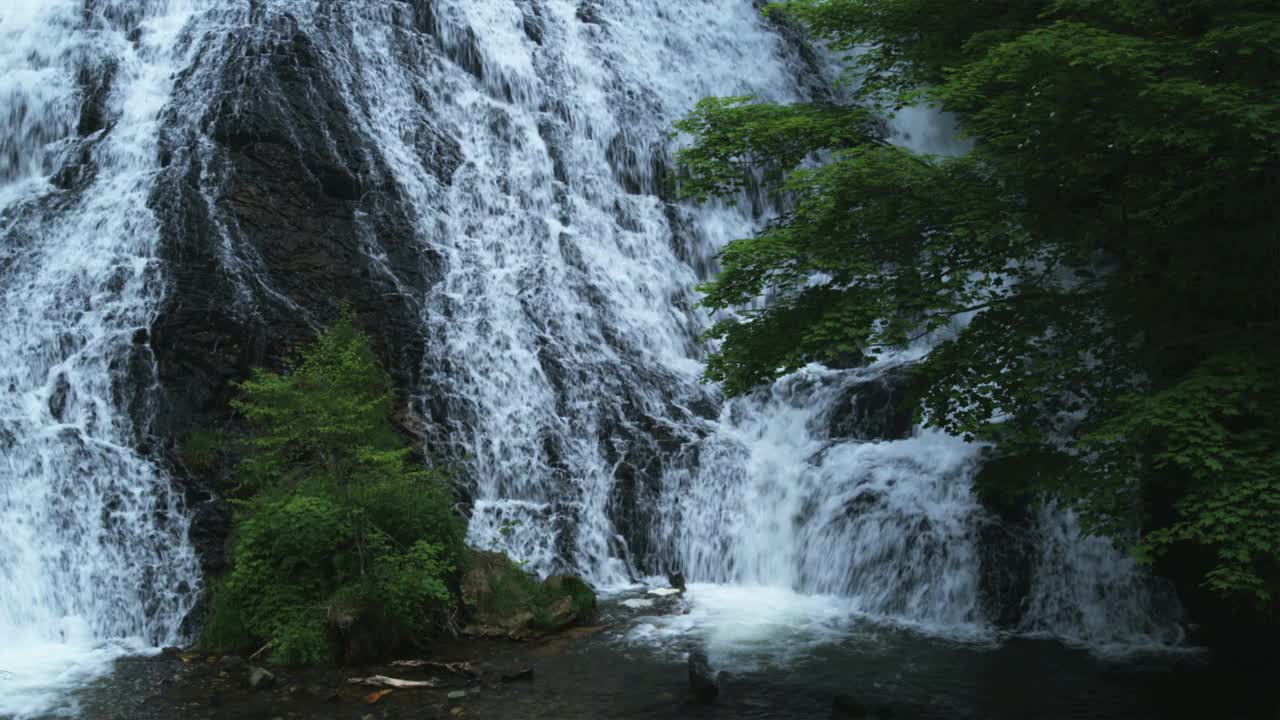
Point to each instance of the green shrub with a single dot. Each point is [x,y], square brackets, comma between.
[200,450]
[341,536]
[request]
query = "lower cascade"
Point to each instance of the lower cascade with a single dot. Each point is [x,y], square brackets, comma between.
[496,174]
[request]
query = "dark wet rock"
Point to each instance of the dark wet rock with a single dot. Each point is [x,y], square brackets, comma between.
[1006,545]
[424,17]
[304,216]
[1006,556]
[95,87]
[638,170]
[58,398]
[522,675]
[534,25]
[210,522]
[260,679]
[644,445]
[589,12]
[677,581]
[702,683]
[466,53]
[881,408]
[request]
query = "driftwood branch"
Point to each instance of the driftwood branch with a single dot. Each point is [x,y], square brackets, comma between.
[260,650]
[390,682]
[457,668]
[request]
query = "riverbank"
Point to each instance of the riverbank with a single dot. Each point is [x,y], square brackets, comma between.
[633,665]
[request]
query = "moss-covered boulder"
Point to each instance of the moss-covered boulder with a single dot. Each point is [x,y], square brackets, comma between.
[503,600]
[570,599]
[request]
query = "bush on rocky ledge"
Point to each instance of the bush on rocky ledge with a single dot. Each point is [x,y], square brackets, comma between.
[342,547]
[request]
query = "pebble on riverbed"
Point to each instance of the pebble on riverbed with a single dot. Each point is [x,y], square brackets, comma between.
[261,679]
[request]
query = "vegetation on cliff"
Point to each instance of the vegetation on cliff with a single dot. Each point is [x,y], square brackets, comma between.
[1111,238]
[343,544]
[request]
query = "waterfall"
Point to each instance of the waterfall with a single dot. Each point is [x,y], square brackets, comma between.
[94,558]
[563,348]
[188,187]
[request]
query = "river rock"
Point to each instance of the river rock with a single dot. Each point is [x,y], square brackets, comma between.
[676,580]
[701,681]
[561,612]
[881,408]
[260,679]
[504,600]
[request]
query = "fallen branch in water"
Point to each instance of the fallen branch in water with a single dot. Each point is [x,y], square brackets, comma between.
[390,682]
[457,668]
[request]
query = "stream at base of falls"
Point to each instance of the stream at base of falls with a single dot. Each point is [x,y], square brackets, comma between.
[783,655]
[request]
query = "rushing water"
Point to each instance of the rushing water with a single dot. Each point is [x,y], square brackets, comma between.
[94,559]
[566,346]
[562,359]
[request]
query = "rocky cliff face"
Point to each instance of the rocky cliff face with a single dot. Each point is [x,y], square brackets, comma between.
[275,211]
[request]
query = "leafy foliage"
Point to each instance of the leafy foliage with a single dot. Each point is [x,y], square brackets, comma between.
[1110,242]
[342,534]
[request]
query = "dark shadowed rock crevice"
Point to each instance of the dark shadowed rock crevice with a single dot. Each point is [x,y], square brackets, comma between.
[879,408]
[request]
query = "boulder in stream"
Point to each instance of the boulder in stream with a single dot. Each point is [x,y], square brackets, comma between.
[702,682]
[504,600]
[260,679]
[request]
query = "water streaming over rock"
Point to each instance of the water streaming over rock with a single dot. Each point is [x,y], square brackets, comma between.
[484,180]
[94,558]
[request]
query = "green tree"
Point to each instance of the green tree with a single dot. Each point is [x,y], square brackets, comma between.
[342,538]
[1113,237]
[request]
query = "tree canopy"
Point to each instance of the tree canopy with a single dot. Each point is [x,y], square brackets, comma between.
[1112,242]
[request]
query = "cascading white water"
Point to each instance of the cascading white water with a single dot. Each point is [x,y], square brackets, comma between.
[889,526]
[94,557]
[561,333]
[565,312]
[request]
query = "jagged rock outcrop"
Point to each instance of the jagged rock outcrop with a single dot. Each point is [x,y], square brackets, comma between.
[881,408]
[275,210]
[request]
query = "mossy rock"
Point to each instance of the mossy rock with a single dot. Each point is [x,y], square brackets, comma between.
[503,599]
[570,599]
